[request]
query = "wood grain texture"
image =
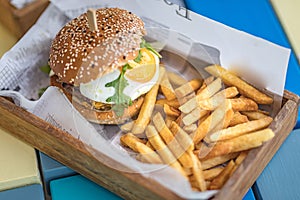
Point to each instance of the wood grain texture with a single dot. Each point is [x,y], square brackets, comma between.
[18,21]
[72,153]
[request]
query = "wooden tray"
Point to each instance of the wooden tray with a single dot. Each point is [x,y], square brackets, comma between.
[74,154]
[18,21]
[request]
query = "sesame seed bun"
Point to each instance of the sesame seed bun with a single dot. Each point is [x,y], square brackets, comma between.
[79,55]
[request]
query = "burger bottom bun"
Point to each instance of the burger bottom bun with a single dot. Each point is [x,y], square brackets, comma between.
[97,116]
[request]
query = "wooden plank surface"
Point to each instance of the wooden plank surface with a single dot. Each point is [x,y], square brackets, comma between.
[71,152]
[281,177]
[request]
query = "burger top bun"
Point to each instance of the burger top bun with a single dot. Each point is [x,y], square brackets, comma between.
[79,54]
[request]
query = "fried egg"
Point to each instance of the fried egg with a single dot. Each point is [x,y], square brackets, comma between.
[140,79]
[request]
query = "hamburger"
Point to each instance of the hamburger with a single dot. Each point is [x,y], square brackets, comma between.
[106,71]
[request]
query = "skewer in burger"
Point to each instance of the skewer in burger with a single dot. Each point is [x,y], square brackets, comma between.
[104,68]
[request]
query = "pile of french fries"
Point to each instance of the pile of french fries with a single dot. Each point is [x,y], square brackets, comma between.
[202,128]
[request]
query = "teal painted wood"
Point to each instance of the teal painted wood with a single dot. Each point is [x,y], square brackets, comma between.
[249,195]
[51,169]
[281,178]
[78,188]
[32,192]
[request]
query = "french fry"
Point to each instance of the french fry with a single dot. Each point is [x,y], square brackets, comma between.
[127,127]
[215,161]
[148,144]
[240,143]
[147,108]
[243,87]
[188,171]
[136,145]
[171,142]
[210,174]
[213,102]
[206,82]
[176,79]
[240,129]
[221,179]
[198,127]
[238,118]
[162,149]
[197,172]
[186,98]
[174,103]
[241,157]
[166,88]
[185,140]
[190,128]
[210,89]
[188,106]
[243,104]
[188,88]
[253,115]
[171,111]
[211,121]
[205,93]
[193,116]
[169,119]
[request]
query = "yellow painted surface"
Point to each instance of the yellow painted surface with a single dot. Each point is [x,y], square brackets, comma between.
[18,163]
[7,40]
[289,15]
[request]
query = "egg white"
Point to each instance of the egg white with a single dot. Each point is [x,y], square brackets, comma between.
[96,90]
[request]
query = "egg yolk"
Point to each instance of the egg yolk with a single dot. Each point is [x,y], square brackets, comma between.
[144,70]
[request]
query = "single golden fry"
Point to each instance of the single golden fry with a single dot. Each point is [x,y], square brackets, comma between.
[221,179]
[205,93]
[238,118]
[174,103]
[210,90]
[213,102]
[241,157]
[253,115]
[190,128]
[127,127]
[240,143]
[161,148]
[193,116]
[212,121]
[171,111]
[197,172]
[188,88]
[243,104]
[215,161]
[188,171]
[210,174]
[176,79]
[239,160]
[243,87]
[147,108]
[166,88]
[206,82]
[180,135]
[136,145]
[240,129]
[188,106]
[171,142]
[148,144]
